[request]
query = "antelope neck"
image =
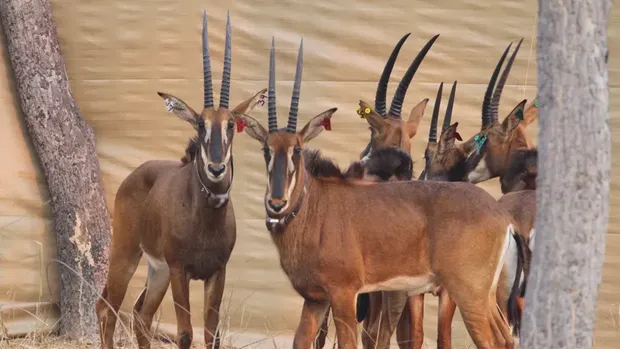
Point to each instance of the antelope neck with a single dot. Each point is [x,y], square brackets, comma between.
[278,224]
[215,200]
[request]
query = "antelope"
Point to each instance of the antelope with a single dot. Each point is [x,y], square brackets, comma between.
[178,214]
[389,129]
[446,161]
[325,230]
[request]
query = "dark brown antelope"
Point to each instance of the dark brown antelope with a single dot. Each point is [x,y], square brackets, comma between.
[389,129]
[179,214]
[326,227]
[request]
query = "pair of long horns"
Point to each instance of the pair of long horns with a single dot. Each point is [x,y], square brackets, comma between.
[432,134]
[490,106]
[271,99]
[401,91]
[206,66]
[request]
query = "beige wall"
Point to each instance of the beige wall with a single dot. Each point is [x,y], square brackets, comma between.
[119,53]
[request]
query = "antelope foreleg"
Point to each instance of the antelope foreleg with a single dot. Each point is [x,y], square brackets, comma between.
[180,295]
[213,291]
[447,307]
[343,308]
[311,315]
[410,330]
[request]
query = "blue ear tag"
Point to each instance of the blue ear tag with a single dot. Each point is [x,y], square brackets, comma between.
[520,114]
[480,140]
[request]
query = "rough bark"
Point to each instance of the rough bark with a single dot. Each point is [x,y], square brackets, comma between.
[573,174]
[65,145]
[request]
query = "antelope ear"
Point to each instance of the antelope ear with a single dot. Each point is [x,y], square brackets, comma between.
[180,109]
[531,113]
[317,124]
[448,138]
[372,117]
[514,118]
[247,106]
[414,118]
[252,127]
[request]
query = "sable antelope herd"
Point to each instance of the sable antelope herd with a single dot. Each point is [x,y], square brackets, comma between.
[367,242]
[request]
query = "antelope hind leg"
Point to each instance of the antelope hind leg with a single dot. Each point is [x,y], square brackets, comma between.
[157,283]
[410,330]
[447,307]
[311,315]
[393,303]
[122,266]
[180,295]
[213,291]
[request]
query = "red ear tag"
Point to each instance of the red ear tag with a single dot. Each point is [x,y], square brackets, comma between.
[457,136]
[327,124]
[241,124]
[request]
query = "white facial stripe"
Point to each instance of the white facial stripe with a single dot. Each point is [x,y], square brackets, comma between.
[205,159]
[224,133]
[480,173]
[271,157]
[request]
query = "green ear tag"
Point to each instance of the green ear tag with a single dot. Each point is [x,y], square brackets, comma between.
[536,103]
[520,114]
[480,140]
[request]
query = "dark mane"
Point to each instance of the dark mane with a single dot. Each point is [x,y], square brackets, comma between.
[320,167]
[382,164]
[190,151]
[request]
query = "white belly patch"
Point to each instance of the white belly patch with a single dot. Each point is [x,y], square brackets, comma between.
[414,285]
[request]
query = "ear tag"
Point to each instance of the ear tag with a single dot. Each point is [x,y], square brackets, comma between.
[520,114]
[457,136]
[359,112]
[241,124]
[480,140]
[169,104]
[261,101]
[327,124]
[536,103]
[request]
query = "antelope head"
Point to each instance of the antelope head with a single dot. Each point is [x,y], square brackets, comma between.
[282,148]
[214,127]
[485,155]
[389,129]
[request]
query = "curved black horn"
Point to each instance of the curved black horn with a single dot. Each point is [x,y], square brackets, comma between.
[271,98]
[448,117]
[385,77]
[225,92]
[497,94]
[206,64]
[432,133]
[487,119]
[292,116]
[401,90]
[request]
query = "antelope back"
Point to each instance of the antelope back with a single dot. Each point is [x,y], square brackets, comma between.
[388,128]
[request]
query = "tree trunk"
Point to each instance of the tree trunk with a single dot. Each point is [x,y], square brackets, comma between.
[574,166]
[65,145]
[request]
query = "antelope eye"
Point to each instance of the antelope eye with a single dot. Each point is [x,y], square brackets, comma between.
[296,150]
[231,124]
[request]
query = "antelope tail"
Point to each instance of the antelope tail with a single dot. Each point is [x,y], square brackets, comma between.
[515,300]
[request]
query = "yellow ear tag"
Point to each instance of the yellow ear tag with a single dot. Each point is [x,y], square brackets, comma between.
[359,112]
[367,110]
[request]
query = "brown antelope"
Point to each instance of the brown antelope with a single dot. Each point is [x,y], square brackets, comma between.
[326,227]
[178,213]
[389,129]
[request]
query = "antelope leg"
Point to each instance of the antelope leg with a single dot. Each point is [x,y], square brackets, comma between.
[319,343]
[343,307]
[156,286]
[447,307]
[180,295]
[311,315]
[213,291]
[410,330]
[374,316]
